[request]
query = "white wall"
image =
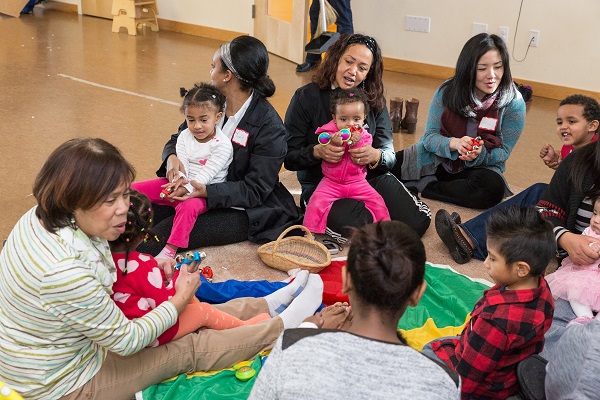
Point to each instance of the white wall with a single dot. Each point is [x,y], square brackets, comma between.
[568,54]
[231,15]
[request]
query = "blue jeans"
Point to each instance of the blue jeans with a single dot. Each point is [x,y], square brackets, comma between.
[344,21]
[476,227]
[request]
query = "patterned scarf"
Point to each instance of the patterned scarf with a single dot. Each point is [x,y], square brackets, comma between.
[457,126]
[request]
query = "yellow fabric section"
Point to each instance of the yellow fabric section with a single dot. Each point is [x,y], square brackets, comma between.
[419,337]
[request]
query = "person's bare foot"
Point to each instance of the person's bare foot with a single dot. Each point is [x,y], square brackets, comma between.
[336,316]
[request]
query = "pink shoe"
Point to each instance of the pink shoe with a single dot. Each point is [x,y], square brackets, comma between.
[580,321]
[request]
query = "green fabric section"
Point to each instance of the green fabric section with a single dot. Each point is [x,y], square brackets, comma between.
[222,385]
[448,299]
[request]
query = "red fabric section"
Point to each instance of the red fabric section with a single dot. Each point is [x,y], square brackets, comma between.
[332,283]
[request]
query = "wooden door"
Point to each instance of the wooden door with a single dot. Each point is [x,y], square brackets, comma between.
[97,8]
[282,25]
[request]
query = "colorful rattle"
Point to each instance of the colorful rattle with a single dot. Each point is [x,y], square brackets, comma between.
[325,137]
[166,192]
[191,259]
[475,142]
[207,273]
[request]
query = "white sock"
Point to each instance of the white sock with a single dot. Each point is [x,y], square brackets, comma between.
[305,304]
[280,299]
[167,253]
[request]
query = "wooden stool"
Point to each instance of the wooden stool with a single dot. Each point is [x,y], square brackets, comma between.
[131,13]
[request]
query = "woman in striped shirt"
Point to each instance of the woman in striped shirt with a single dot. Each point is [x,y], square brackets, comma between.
[62,336]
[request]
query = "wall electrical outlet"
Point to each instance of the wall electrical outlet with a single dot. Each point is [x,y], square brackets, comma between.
[534,38]
[418,24]
[479,28]
[503,33]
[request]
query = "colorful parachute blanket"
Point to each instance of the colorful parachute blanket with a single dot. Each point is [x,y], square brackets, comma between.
[443,311]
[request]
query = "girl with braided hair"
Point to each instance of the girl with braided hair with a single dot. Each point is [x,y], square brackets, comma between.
[141,285]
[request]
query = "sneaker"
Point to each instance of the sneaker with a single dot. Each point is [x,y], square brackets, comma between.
[336,236]
[447,229]
[305,66]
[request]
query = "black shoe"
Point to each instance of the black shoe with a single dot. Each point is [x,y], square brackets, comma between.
[456,218]
[447,229]
[305,67]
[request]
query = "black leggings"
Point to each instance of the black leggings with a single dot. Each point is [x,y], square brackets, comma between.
[401,204]
[479,188]
[213,228]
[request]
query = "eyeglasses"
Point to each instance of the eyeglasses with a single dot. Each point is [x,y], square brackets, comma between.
[363,39]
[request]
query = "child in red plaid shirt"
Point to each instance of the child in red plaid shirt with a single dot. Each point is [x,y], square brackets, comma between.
[509,322]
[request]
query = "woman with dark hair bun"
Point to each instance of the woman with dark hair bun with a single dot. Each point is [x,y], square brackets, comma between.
[475,119]
[353,61]
[252,204]
[383,277]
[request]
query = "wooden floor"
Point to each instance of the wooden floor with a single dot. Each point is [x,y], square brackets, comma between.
[64,76]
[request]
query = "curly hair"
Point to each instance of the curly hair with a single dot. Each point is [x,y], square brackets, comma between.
[139,224]
[591,108]
[373,82]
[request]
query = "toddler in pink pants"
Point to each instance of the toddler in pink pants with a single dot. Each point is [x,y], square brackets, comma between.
[345,179]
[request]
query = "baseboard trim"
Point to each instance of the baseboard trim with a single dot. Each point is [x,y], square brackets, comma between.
[198,30]
[540,89]
[57,5]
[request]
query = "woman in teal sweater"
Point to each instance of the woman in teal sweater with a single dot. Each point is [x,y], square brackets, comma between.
[475,119]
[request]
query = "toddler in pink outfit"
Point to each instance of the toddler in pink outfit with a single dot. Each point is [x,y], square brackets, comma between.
[345,179]
[580,284]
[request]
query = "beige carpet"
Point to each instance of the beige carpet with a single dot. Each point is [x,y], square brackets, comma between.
[241,261]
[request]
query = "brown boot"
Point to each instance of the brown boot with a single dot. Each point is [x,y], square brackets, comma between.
[409,122]
[396,104]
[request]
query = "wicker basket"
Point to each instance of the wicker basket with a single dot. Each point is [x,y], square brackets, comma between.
[295,252]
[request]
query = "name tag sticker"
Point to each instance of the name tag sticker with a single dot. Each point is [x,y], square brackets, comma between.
[240,137]
[488,124]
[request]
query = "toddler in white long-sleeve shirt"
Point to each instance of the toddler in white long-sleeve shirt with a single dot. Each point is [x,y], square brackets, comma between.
[205,153]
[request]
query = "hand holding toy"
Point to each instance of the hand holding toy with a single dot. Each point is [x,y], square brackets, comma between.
[325,137]
[166,192]
[476,142]
[191,259]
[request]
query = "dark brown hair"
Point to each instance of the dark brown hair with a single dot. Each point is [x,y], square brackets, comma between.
[354,95]
[250,59]
[386,262]
[373,83]
[200,94]
[79,174]
[522,234]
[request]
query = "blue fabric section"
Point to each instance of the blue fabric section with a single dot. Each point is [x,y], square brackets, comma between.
[476,227]
[221,292]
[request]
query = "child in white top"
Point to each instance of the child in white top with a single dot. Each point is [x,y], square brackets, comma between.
[205,153]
